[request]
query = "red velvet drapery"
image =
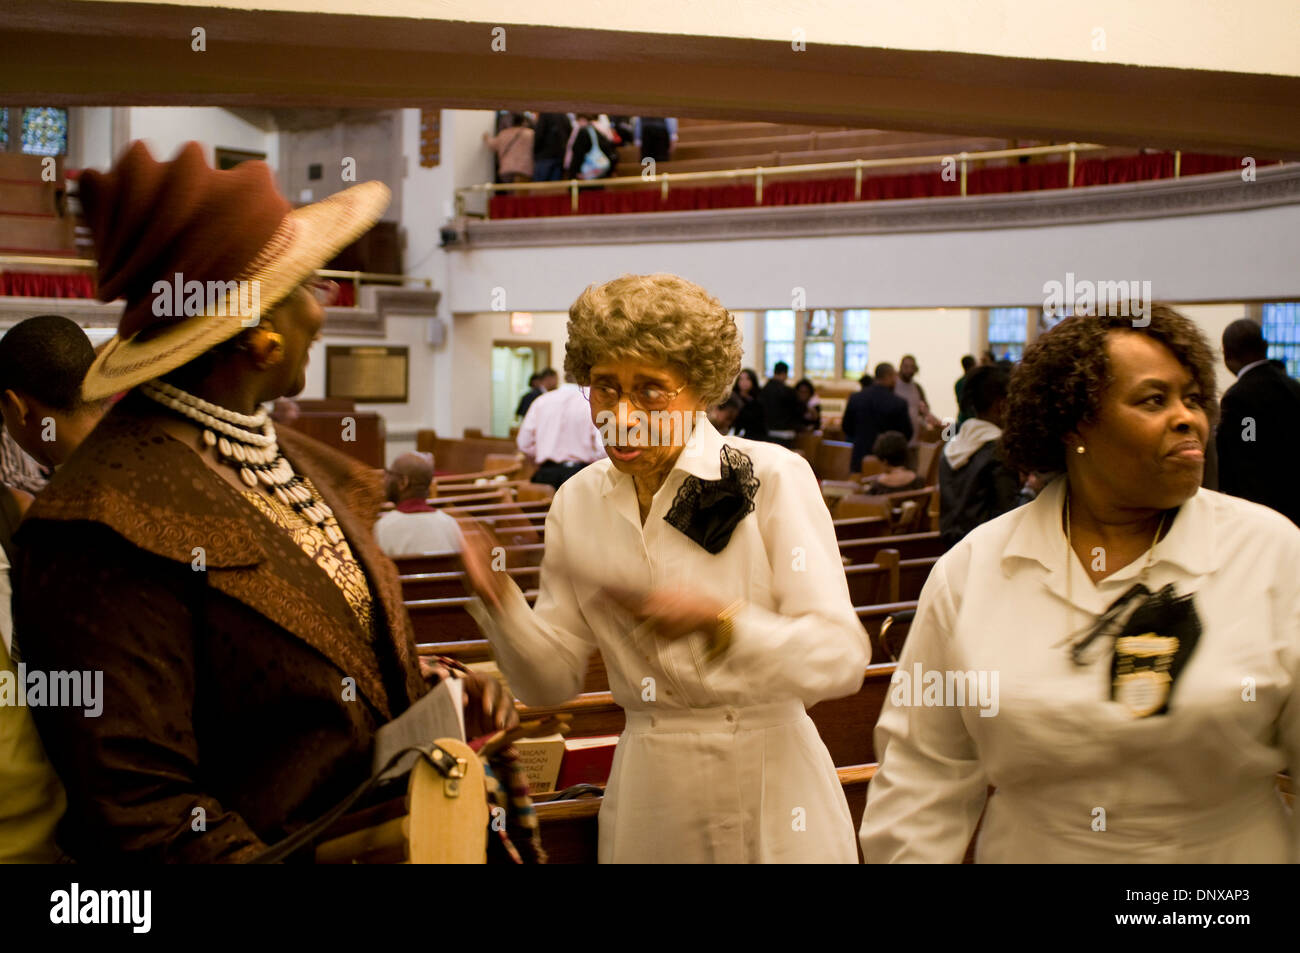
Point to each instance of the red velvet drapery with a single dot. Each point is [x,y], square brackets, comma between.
[25,284]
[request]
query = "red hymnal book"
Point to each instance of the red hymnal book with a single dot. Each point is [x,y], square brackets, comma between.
[586,761]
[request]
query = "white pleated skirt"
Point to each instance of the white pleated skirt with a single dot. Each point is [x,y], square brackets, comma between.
[731,785]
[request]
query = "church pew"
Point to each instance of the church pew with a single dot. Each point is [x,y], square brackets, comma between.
[447,620]
[448,585]
[414,565]
[847,724]
[529,554]
[569,829]
[861,527]
[357,433]
[909,546]
[497,522]
[873,583]
[465,456]
[473,496]
[912,574]
[446,486]
[487,509]
[513,529]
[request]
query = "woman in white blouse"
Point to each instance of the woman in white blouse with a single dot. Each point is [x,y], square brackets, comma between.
[706,571]
[1150,733]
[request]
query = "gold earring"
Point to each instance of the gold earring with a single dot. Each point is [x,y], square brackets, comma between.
[271,347]
[1079,449]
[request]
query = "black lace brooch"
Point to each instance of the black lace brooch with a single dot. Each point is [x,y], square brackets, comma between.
[708,511]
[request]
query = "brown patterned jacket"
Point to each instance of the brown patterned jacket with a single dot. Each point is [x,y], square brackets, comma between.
[224,722]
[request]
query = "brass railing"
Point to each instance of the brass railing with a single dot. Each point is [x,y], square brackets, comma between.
[357,278]
[961,162]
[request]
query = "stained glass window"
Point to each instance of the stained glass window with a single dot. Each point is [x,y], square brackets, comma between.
[779,326]
[4,128]
[778,340]
[45,131]
[857,339]
[819,344]
[1008,330]
[819,359]
[1282,332]
[774,351]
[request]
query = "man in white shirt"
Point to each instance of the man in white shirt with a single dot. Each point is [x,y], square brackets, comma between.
[414,526]
[557,432]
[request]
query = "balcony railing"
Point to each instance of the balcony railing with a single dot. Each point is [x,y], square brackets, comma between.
[760,174]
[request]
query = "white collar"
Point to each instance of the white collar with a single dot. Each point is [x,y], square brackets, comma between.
[1250,367]
[1190,542]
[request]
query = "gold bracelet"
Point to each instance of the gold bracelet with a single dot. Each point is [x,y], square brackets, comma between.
[723,630]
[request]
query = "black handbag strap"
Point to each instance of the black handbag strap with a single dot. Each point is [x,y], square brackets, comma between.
[443,761]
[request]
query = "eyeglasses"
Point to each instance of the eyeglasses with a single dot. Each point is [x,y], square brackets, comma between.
[645,396]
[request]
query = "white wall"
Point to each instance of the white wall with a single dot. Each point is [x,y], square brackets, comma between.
[472,376]
[1213,257]
[435,400]
[427,204]
[166,128]
[400,420]
[94,138]
[937,338]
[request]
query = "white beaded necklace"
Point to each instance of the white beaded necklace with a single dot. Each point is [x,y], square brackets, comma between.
[255,454]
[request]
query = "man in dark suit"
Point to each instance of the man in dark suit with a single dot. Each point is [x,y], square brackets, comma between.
[874,410]
[541,382]
[781,411]
[1259,428]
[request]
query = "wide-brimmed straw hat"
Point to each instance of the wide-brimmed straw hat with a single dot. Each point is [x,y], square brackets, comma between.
[160,227]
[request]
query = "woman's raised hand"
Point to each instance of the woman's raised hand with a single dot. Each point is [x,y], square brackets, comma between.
[673,613]
[479,550]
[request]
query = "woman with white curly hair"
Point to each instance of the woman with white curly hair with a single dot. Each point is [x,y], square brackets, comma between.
[706,571]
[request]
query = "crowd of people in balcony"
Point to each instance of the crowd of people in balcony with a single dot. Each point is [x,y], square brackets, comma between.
[550,147]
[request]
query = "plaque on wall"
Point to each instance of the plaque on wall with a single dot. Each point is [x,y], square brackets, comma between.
[367,374]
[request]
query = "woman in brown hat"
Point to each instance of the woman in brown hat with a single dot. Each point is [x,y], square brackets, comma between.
[220,578]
